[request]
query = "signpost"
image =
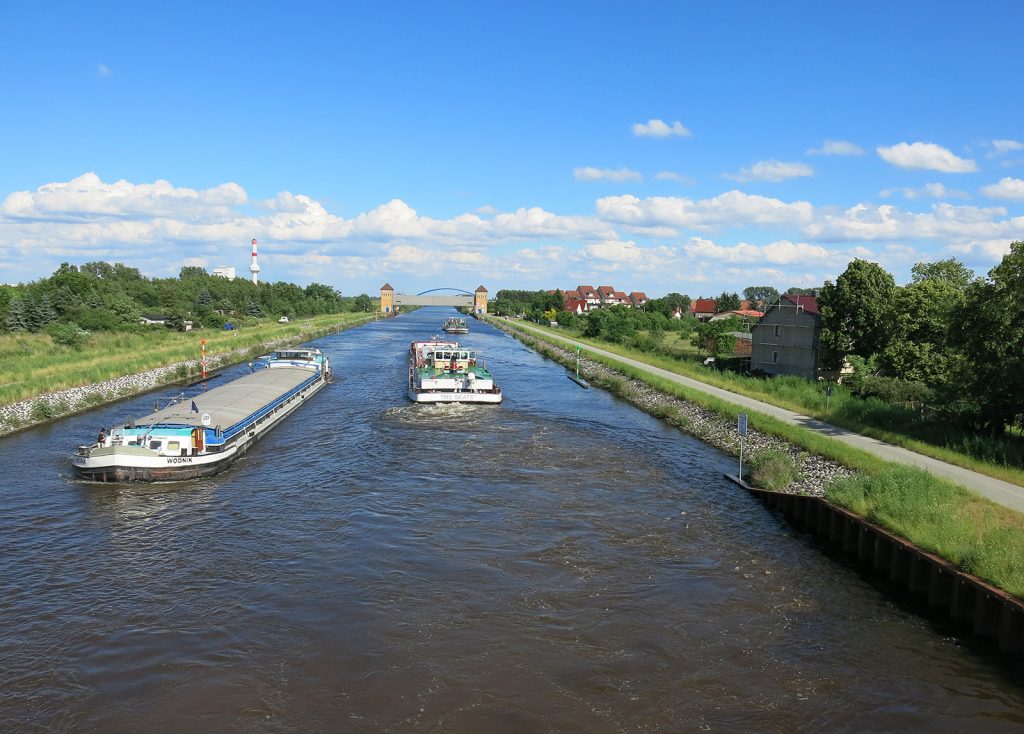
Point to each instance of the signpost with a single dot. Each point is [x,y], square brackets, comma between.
[741,427]
[828,396]
[203,342]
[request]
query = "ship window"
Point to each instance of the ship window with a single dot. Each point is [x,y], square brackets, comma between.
[155,445]
[173,445]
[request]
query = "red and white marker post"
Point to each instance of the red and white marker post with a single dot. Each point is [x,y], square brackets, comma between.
[203,342]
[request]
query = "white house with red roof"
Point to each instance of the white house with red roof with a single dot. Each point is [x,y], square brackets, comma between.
[703,308]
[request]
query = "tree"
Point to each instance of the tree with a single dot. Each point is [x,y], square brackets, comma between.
[761,296]
[362,302]
[192,271]
[857,312]
[714,338]
[991,333]
[728,302]
[802,291]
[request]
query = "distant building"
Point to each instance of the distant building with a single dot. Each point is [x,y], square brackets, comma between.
[223,271]
[703,309]
[786,339]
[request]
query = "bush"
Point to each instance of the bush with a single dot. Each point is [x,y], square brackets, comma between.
[68,335]
[774,470]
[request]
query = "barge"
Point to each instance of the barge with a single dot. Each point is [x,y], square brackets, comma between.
[186,441]
[446,372]
[455,326]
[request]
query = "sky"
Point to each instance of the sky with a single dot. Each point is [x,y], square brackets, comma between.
[653,146]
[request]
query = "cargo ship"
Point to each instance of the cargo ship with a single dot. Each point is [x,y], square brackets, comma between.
[203,435]
[446,372]
[455,326]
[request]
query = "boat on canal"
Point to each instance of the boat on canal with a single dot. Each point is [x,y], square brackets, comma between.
[447,372]
[455,326]
[203,435]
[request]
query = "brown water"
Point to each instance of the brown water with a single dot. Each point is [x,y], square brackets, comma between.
[561,562]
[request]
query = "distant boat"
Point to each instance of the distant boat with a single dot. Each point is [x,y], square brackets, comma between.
[455,326]
[183,441]
[447,372]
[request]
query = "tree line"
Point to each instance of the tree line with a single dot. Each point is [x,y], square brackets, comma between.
[948,339]
[100,296]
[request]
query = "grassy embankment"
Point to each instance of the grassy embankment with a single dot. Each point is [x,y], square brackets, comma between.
[33,365]
[981,537]
[895,424]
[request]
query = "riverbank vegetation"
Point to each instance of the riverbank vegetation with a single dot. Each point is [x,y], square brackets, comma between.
[34,364]
[966,529]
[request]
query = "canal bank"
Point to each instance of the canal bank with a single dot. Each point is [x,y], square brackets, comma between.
[52,406]
[986,611]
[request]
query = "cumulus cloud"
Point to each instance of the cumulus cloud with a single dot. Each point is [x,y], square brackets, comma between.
[589,173]
[773,171]
[782,252]
[836,147]
[929,190]
[926,156]
[660,129]
[734,208]
[1007,188]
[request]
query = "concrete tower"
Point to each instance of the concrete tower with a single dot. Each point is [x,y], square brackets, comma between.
[255,267]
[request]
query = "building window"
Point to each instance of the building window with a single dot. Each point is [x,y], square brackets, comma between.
[775,357]
[778,329]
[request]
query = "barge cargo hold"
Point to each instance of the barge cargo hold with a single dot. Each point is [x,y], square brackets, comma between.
[201,436]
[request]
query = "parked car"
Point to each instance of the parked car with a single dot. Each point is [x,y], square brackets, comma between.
[283,320]
[228,326]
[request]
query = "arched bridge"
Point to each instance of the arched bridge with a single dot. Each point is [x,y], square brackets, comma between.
[391,302]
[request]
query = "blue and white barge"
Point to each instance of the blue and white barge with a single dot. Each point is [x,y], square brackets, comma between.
[201,436]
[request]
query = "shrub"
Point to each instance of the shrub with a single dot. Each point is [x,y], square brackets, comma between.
[774,470]
[68,335]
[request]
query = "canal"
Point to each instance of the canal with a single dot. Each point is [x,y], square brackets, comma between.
[562,562]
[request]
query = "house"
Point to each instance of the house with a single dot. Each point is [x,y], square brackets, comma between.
[591,296]
[576,306]
[639,299]
[152,319]
[223,271]
[622,299]
[744,343]
[703,309]
[677,312]
[786,339]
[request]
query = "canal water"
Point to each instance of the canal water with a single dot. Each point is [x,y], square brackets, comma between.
[562,562]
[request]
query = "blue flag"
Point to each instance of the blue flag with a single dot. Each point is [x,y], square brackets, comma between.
[195,408]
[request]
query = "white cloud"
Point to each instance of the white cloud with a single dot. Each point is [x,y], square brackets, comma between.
[673,176]
[1007,188]
[1002,147]
[733,208]
[773,171]
[929,190]
[926,156]
[836,147]
[660,129]
[782,252]
[103,70]
[87,197]
[589,173]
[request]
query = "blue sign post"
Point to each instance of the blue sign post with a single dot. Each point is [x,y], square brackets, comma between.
[741,427]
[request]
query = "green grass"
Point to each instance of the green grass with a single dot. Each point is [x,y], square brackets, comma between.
[890,423]
[33,365]
[942,518]
[983,538]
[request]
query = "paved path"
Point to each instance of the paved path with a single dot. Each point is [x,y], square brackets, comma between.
[1003,493]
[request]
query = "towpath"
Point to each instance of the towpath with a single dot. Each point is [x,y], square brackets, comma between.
[1003,493]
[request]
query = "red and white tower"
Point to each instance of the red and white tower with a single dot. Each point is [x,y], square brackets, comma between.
[254,268]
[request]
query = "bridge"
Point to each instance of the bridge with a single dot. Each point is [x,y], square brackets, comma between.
[391,302]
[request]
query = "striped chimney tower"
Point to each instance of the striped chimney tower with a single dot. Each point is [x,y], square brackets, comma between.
[255,267]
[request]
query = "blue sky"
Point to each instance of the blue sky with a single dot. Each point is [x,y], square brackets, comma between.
[651,146]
